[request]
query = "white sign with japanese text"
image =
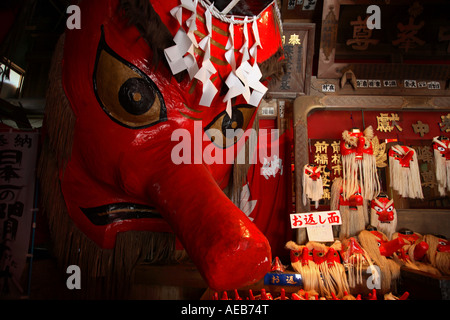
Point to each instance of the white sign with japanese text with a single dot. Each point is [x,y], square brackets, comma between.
[315,219]
[318,224]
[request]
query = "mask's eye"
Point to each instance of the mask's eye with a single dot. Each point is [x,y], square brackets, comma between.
[224,131]
[378,209]
[441,149]
[126,94]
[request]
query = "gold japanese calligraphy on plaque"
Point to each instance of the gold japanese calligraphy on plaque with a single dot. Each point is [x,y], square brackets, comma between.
[387,122]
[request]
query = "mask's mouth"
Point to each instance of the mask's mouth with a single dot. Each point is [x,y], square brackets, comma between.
[115,212]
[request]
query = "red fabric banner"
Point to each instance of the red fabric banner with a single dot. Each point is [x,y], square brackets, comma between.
[269,186]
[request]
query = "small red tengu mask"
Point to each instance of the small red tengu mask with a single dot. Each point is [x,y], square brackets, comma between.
[443,245]
[127,104]
[413,238]
[402,154]
[357,142]
[352,251]
[441,151]
[359,163]
[312,171]
[442,145]
[332,257]
[384,208]
[387,248]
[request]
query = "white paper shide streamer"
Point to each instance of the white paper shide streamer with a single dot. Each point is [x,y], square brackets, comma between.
[243,80]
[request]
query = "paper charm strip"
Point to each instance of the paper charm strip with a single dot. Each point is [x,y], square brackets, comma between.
[243,79]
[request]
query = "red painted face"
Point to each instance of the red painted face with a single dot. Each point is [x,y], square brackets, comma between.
[313,172]
[355,142]
[410,237]
[402,154]
[384,208]
[319,256]
[387,248]
[350,250]
[332,257]
[443,246]
[122,174]
[443,146]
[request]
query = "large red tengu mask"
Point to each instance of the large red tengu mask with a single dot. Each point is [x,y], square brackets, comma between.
[128,104]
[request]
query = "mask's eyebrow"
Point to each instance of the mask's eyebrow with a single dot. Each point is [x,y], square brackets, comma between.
[141,14]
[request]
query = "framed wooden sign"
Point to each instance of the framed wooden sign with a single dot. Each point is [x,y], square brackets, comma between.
[412,38]
[298,39]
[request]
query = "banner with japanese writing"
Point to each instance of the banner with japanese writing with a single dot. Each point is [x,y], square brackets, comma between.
[18,154]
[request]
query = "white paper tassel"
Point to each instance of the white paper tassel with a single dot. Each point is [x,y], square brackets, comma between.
[181,56]
[207,69]
[243,80]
